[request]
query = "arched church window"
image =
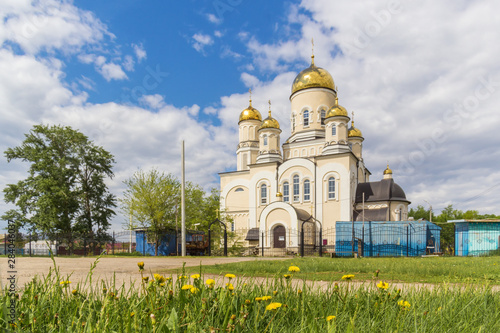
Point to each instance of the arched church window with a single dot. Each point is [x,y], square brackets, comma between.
[307,190]
[265,140]
[296,188]
[334,129]
[239,189]
[293,123]
[263,194]
[306,118]
[286,192]
[323,115]
[331,188]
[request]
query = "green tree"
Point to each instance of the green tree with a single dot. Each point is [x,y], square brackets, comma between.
[65,191]
[420,213]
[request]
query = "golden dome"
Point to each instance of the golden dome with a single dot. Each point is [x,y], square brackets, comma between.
[250,113]
[336,110]
[313,77]
[270,122]
[353,131]
[387,171]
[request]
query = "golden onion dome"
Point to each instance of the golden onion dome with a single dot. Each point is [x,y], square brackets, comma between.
[353,131]
[250,113]
[336,110]
[270,122]
[313,77]
[387,171]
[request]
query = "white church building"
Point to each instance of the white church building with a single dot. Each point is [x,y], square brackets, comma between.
[317,175]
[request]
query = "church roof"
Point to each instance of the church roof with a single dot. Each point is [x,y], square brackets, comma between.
[384,190]
[379,214]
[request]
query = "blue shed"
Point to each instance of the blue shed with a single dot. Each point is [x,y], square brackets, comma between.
[195,243]
[476,237]
[387,238]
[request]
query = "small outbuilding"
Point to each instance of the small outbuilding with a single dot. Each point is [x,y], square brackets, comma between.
[196,243]
[476,237]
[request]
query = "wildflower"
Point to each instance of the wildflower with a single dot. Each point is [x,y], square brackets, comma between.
[258,299]
[247,301]
[299,291]
[64,283]
[273,306]
[266,298]
[293,269]
[274,293]
[74,292]
[404,304]
[104,290]
[287,276]
[132,314]
[187,287]
[141,265]
[195,276]
[210,282]
[330,318]
[182,277]
[159,279]
[230,276]
[348,277]
[145,279]
[382,285]
[194,290]
[229,286]
[153,318]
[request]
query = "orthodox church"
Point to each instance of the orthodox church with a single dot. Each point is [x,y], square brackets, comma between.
[318,175]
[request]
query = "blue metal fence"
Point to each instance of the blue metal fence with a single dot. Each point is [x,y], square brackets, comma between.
[395,238]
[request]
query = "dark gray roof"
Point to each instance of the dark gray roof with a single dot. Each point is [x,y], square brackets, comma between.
[302,215]
[379,214]
[252,234]
[384,190]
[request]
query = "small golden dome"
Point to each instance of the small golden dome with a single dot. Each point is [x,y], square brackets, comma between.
[387,171]
[336,110]
[313,77]
[250,113]
[353,131]
[270,122]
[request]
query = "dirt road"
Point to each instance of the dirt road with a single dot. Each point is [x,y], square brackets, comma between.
[124,269]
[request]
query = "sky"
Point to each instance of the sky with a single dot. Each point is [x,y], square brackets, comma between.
[139,76]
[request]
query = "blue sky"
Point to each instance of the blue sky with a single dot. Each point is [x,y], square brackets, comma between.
[138,77]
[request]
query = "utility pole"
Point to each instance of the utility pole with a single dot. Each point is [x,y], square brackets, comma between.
[363,236]
[430,211]
[183,206]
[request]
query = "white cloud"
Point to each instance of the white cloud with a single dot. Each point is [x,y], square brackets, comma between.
[153,101]
[218,34]
[111,71]
[200,41]
[214,19]
[140,53]
[228,53]
[128,63]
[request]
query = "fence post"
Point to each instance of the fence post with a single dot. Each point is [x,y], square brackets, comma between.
[321,242]
[302,241]
[209,242]
[225,242]
[262,244]
[407,240]
[30,243]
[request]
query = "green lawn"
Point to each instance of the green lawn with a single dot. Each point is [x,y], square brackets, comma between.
[401,269]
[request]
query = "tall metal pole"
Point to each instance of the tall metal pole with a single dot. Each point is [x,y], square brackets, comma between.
[183,206]
[430,211]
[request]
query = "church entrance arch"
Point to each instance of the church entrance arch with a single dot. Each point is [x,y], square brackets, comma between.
[279,237]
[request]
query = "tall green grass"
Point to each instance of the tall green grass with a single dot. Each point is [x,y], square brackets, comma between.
[161,305]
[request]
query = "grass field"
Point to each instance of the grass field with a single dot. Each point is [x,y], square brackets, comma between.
[424,270]
[191,303]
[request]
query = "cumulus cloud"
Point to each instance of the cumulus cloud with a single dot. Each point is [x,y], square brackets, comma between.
[214,19]
[201,40]
[140,53]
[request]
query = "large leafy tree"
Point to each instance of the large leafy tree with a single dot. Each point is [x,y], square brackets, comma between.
[65,191]
[153,200]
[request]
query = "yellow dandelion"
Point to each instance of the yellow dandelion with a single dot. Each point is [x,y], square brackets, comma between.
[195,276]
[194,290]
[330,318]
[141,265]
[273,306]
[74,292]
[382,285]
[299,291]
[348,277]
[210,282]
[247,301]
[230,276]
[266,298]
[404,304]
[258,299]
[293,269]
[145,279]
[187,287]
[182,277]
[287,276]
[159,278]
[274,293]
[64,283]
[229,286]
